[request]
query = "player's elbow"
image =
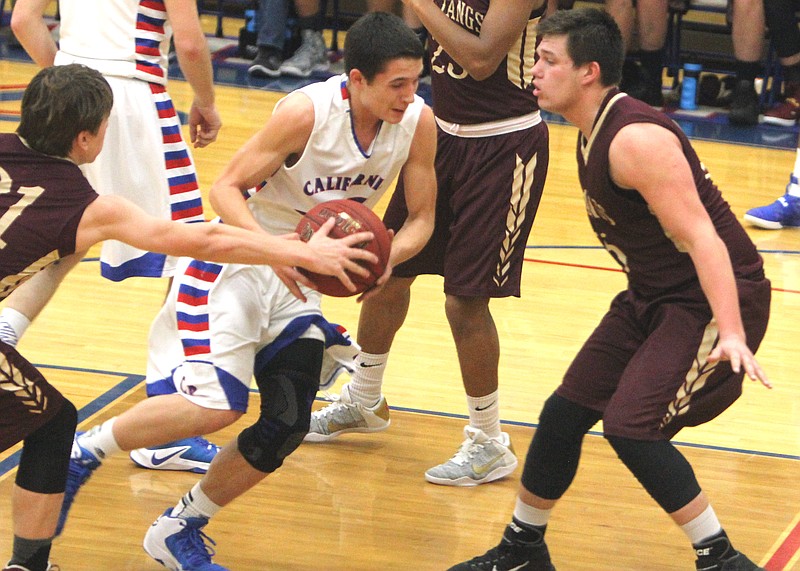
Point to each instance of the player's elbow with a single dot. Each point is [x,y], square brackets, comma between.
[482,67]
[191,50]
[21,21]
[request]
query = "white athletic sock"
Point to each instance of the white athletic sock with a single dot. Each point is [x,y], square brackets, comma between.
[794,187]
[702,527]
[530,515]
[100,440]
[195,504]
[484,414]
[365,382]
[13,325]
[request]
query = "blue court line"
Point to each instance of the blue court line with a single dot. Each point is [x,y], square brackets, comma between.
[105,399]
[597,433]
[130,381]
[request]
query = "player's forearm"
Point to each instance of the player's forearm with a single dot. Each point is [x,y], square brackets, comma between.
[717,279]
[229,204]
[223,243]
[410,239]
[195,63]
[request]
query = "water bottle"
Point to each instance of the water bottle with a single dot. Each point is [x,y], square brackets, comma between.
[250,19]
[691,72]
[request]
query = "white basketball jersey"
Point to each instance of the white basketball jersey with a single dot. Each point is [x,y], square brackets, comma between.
[333,165]
[124,38]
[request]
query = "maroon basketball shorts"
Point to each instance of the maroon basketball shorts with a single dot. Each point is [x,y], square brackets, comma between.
[27,400]
[645,365]
[489,189]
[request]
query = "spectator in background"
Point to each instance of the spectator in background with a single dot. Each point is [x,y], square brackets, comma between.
[747,31]
[647,19]
[781,19]
[271,22]
[310,56]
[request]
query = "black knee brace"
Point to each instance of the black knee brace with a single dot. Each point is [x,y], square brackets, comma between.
[660,468]
[554,453]
[45,453]
[288,385]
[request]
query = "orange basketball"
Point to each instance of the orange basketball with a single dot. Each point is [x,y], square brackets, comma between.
[351,217]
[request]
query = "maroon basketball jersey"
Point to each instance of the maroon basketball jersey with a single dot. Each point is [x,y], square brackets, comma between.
[622,219]
[42,199]
[458,98]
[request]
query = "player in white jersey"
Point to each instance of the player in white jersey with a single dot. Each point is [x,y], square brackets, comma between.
[145,158]
[128,42]
[223,323]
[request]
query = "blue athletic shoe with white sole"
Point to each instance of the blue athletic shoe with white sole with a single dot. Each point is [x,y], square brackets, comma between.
[82,464]
[187,455]
[783,213]
[180,545]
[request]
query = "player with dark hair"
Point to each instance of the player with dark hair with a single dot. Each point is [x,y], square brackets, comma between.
[222,324]
[129,41]
[491,163]
[673,348]
[49,210]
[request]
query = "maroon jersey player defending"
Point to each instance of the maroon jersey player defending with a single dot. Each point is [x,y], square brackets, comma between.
[674,347]
[491,163]
[48,210]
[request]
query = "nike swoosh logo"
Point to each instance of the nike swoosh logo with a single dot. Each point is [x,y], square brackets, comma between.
[160,460]
[483,469]
[366,366]
[517,568]
[479,408]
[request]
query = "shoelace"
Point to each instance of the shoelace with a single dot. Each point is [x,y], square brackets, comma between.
[334,407]
[466,452]
[192,543]
[202,442]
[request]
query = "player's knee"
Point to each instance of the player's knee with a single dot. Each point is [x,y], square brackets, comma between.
[45,457]
[566,420]
[661,469]
[465,314]
[553,456]
[285,417]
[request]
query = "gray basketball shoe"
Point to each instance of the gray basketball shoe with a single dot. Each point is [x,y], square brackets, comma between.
[479,460]
[343,416]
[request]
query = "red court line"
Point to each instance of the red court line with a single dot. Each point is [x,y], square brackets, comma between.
[789,547]
[786,550]
[9,113]
[13,87]
[573,265]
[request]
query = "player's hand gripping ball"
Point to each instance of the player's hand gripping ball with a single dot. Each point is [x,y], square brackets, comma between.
[351,217]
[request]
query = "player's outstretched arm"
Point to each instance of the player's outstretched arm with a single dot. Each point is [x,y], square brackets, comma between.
[112,217]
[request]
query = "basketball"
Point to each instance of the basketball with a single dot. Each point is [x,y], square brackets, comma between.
[351,217]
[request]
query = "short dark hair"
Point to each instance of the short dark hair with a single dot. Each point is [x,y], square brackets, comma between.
[592,35]
[377,38]
[59,103]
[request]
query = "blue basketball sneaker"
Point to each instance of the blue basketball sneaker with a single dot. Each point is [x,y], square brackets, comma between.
[82,463]
[179,545]
[187,455]
[783,213]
